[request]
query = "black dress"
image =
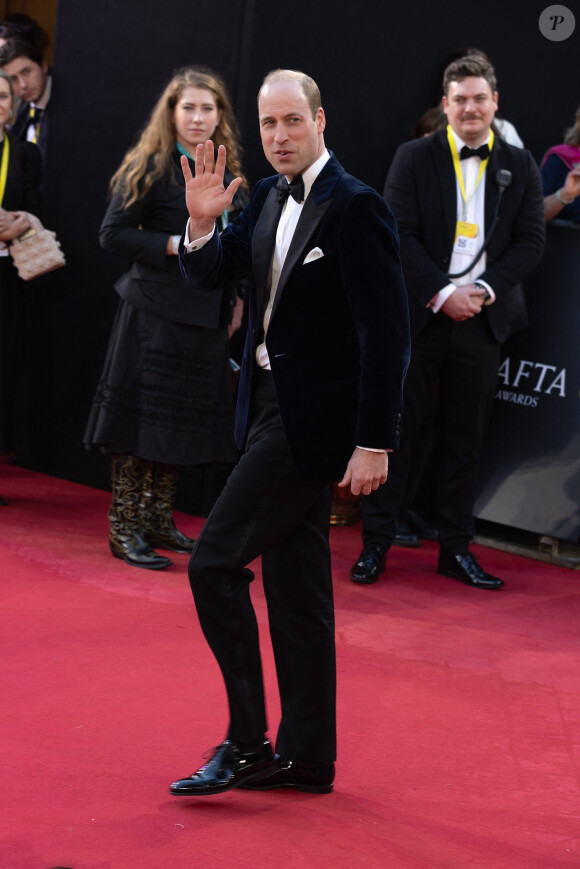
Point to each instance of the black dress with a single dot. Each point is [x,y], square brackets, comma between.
[22,193]
[165,393]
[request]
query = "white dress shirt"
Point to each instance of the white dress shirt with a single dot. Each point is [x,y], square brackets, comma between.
[472,212]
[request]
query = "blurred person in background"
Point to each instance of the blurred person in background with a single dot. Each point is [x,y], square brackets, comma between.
[560,171]
[20,178]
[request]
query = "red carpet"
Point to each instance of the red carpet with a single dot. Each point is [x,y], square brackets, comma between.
[459,711]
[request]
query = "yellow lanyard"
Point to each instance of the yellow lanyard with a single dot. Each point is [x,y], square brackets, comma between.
[457,166]
[4,167]
[32,112]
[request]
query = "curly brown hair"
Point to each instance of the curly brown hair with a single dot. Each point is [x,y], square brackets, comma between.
[152,155]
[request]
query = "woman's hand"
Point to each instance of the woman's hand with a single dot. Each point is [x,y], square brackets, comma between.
[13,224]
[6,221]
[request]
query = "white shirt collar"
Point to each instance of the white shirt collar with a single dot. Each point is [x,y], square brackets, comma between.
[310,175]
[460,143]
[43,101]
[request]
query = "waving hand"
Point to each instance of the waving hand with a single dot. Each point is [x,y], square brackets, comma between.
[205,195]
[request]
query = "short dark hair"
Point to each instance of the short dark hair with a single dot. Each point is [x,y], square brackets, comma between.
[469,67]
[17,25]
[15,48]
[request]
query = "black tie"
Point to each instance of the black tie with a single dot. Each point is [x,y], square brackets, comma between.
[295,188]
[34,115]
[482,152]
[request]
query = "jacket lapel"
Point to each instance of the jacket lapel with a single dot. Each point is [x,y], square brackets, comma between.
[491,187]
[263,242]
[311,216]
[447,181]
[313,211]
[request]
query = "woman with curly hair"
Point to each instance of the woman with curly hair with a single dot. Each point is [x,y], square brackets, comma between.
[165,395]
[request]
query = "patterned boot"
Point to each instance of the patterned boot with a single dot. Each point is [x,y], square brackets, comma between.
[127,539]
[158,499]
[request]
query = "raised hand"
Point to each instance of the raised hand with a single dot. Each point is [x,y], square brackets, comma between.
[205,195]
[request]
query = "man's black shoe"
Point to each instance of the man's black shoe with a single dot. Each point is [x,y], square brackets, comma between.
[404,536]
[227,768]
[421,525]
[309,777]
[466,568]
[371,563]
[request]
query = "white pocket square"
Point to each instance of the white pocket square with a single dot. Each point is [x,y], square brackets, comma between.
[315,253]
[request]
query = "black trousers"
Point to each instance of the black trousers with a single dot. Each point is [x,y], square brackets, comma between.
[266,509]
[453,367]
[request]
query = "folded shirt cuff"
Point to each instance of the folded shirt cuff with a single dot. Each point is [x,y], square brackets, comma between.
[197,243]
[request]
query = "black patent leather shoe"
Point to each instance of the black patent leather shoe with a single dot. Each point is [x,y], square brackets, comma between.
[421,525]
[308,777]
[370,564]
[466,568]
[404,536]
[227,768]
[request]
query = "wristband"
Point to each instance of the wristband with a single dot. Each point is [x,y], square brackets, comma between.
[561,199]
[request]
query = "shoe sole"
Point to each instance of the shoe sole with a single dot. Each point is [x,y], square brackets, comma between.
[307,789]
[462,579]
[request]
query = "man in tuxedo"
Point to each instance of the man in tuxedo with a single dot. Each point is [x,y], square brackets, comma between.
[319,399]
[449,192]
[32,83]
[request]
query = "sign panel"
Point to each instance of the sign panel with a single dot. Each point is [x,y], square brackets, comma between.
[530,472]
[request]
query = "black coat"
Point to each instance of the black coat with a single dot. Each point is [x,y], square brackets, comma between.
[165,392]
[154,282]
[22,193]
[421,190]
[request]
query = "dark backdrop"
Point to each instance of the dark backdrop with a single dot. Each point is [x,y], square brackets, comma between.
[379,67]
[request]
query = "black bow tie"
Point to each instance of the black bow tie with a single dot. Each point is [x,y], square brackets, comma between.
[482,152]
[295,188]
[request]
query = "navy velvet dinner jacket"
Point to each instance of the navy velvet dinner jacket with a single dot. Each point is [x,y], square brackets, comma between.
[338,338]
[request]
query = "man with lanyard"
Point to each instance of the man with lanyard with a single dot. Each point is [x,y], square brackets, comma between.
[455,193]
[29,74]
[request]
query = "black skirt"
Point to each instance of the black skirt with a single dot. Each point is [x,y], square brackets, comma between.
[165,393]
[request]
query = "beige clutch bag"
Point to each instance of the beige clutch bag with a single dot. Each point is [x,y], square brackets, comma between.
[37,251]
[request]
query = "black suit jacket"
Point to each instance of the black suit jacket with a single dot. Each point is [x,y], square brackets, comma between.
[338,339]
[421,190]
[20,126]
[22,191]
[154,282]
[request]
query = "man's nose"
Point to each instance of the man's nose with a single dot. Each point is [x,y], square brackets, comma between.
[281,135]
